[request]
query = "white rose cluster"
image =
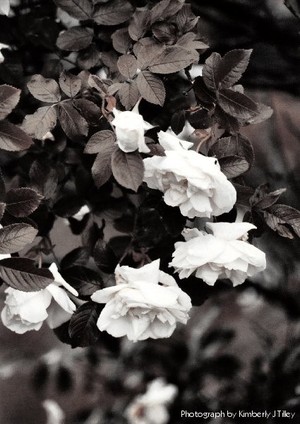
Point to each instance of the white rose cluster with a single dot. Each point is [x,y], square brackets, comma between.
[223,254]
[130,128]
[188,179]
[144,303]
[25,311]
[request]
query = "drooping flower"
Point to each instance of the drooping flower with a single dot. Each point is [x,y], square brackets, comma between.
[188,179]
[223,254]
[130,128]
[144,303]
[151,407]
[25,311]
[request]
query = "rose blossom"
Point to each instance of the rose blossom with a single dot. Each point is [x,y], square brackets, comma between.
[151,407]
[223,254]
[25,311]
[4,7]
[130,127]
[188,179]
[145,302]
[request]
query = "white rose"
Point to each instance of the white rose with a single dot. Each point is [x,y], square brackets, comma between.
[188,179]
[4,7]
[151,408]
[223,254]
[130,127]
[145,302]
[25,311]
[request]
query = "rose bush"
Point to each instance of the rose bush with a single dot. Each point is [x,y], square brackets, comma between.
[188,179]
[130,127]
[144,303]
[25,311]
[223,254]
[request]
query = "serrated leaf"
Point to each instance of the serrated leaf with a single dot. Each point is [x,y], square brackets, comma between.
[237,145]
[13,138]
[44,89]
[70,84]
[164,32]
[233,166]
[85,280]
[121,40]
[40,122]
[21,202]
[139,23]
[9,98]
[88,58]
[237,104]
[15,237]
[283,219]
[165,9]
[83,328]
[173,59]
[102,168]
[114,12]
[73,124]
[75,39]
[79,9]
[210,71]
[104,257]
[232,67]
[202,92]
[43,178]
[127,65]
[262,199]
[101,139]
[129,94]
[89,110]
[151,88]
[21,274]
[128,169]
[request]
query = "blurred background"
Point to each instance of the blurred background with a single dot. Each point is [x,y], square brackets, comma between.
[241,349]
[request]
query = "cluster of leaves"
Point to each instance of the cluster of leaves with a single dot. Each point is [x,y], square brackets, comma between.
[60,151]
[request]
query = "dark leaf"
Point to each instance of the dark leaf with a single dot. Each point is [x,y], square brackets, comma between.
[12,138]
[102,167]
[263,113]
[172,59]
[73,124]
[70,84]
[88,58]
[79,256]
[21,274]
[127,65]
[233,166]
[67,206]
[83,328]
[283,219]
[237,105]
[43,178]
[151,88]
[178,121]
[121,40]
[128,169]
[200,118]
[232,66]
[75,39]
[85,280]
[15,237]
[44,89]
[101,139]
[165,9]
[105,257]
[139,23]
[202,92]
[9,98]
[210,71]
[164,32]
[146,50]
[129,94]
[294,7]
[114,12]
[185,19]
[89,110]
[22,201]
[263,199]
[233,146]
[40,122]
[80,9]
